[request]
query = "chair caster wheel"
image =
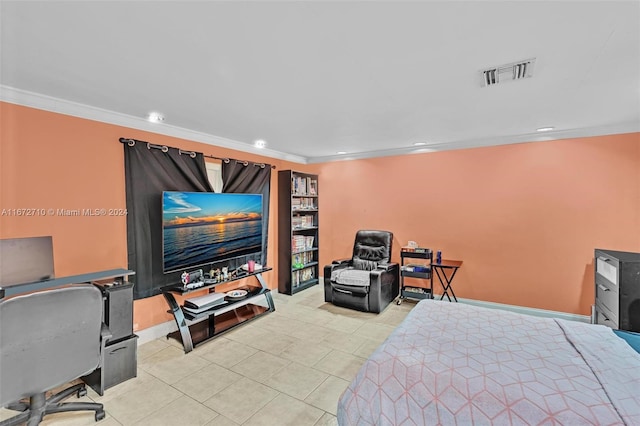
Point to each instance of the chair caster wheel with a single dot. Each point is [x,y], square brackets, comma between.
[82,392]
[99,415]
[399,302]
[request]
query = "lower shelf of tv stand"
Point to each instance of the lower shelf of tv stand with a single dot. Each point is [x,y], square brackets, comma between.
[215,325]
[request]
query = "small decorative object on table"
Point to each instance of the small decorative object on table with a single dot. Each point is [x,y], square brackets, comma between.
[236,294]
[256,267]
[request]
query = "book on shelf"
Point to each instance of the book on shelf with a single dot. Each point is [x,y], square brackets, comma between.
[301,222]
[303,204]
[300,259]
[302,275]
[304,186]
[302,242]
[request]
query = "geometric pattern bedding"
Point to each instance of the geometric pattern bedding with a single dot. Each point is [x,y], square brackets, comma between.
[456,364]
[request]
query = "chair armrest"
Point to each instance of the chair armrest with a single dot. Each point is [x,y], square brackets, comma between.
[105,333]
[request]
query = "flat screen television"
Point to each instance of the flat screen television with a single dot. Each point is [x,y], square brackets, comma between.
[200,228]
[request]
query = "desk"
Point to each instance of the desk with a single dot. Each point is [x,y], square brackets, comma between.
[14,289]
[445,281]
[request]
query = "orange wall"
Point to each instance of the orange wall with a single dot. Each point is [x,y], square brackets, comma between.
[56,161]
[524,218]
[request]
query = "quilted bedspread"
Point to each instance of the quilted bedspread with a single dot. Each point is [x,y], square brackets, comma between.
[455,364]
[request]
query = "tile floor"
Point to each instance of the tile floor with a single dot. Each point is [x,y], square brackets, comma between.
[288,367]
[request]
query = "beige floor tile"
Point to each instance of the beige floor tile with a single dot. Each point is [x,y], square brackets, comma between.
[182,411]
[76,419]
[340,364]
[367,348]
[347,312]
[241,400]
[345,342]
[327,394]
[225,352]
[129,385]
[316,317]
[280,297]
[276,322]
[173,342]
[150,348]
[288,411]
[309,331]
[221,420]
[327,420]
[391,316]
[313,301]
[245,332]
[172,364]
[272,342]
[296,380]
[294,311]
[375,331]
[205,383]
[345,324]
[141,402]
[260,366]
[305,352]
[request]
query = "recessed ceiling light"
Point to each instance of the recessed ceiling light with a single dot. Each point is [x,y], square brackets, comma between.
[419,144]
[544,129]
[260,143]
[342,152]
[155,117]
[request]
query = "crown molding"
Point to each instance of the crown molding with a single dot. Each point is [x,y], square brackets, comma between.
[612,129]
[65,107]
[61,106]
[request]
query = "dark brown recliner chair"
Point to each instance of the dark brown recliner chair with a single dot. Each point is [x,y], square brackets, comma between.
[368,281]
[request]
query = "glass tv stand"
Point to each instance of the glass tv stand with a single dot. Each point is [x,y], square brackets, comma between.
[194,329]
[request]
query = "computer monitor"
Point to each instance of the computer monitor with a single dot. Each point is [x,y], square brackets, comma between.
[26,260]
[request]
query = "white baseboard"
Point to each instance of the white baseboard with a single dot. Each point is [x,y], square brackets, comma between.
[524,310]
[520,309]
[156,331]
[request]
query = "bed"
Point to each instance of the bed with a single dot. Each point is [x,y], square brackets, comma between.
[456,364]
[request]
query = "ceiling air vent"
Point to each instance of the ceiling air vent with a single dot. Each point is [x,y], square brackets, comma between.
[515,71]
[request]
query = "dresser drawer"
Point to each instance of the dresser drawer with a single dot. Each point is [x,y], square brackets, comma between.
[607,296]
[607,268]
[120,362]
[605,317]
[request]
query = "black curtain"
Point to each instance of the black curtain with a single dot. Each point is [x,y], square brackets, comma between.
[250,178]
[150,170]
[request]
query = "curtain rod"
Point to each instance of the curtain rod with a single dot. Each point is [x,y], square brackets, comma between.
[192,154]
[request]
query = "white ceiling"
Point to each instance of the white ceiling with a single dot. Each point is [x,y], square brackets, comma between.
[313,78]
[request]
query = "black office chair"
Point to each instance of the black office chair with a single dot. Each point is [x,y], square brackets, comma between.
[47,339]
[368,281]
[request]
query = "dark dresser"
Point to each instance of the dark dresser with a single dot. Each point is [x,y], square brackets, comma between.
[617,289]
[120,360]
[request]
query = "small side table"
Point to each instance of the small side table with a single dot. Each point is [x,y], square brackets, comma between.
[445,281]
